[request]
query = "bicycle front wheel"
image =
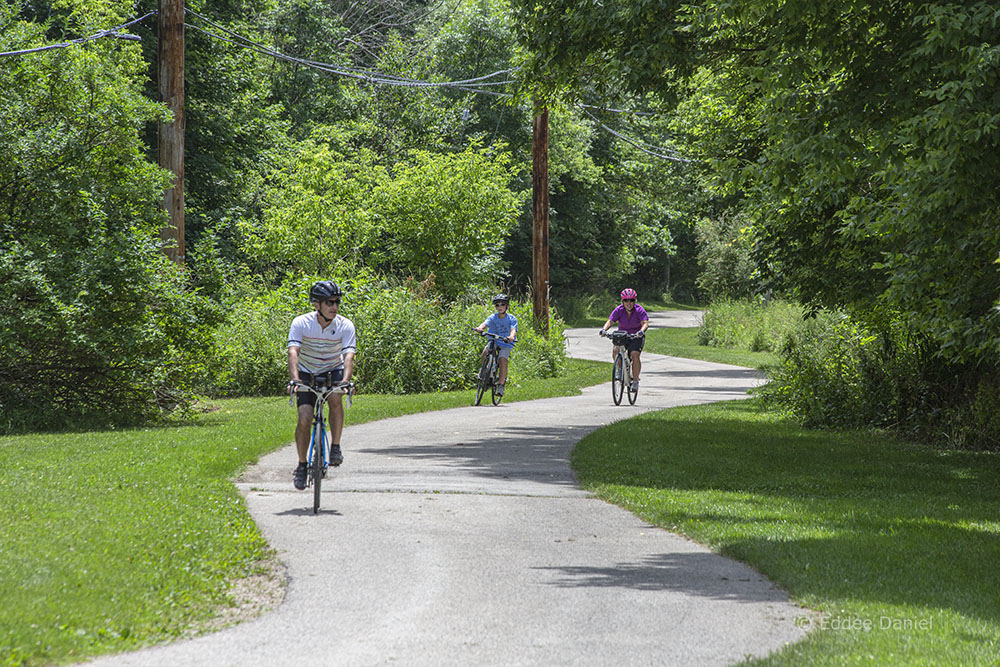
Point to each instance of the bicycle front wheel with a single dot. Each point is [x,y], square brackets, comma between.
[483,380]
[618,379]
[316,469]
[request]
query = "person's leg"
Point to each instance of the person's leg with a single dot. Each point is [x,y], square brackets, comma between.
[336,417]
[636,365]
[302,428]
[503,370]
[336,428]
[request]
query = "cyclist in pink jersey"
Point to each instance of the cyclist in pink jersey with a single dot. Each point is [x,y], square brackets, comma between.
[631,318]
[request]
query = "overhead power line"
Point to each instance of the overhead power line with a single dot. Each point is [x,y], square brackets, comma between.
[110,32]
[655,151]
[474,85]
[349,72]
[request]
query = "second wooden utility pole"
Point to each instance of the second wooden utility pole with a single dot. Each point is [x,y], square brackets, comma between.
[540,216]
[171,140]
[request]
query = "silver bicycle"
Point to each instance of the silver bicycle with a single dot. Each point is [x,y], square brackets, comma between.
[621,373]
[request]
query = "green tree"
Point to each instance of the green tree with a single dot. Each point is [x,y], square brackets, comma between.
[871,179]
[447,215]
[94,321]
[442,214]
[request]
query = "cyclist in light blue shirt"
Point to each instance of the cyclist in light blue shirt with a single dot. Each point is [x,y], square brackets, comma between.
[501,323]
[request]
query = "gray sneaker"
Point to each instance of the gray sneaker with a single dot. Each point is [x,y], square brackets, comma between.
[299,477]
[500,389]
[635,386]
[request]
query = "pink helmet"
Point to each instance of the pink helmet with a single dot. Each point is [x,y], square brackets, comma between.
[628,293]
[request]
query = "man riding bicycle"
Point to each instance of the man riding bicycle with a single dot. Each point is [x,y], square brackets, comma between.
[321,347]
[632,319]
[504,324]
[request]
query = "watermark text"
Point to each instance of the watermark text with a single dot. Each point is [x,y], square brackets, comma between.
[867,624]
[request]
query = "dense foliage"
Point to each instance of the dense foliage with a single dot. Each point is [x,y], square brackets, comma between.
[293,171]
[406,342]
[858,141]
[843,154]
[94,321]
[441,214]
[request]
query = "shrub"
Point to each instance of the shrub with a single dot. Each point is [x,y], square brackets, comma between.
[445,214]
[407,342]
[757,325]
[884,374]
[576,308]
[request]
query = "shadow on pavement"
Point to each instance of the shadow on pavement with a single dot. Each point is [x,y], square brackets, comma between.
[307,511]
[700,574]
[537,453]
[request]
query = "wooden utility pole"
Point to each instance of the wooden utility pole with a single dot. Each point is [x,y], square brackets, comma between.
[540,216]
[171,139]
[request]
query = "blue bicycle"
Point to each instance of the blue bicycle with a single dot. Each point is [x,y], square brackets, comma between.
[319,445]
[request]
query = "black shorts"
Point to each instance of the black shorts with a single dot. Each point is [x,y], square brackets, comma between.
[631,344]
[323,379]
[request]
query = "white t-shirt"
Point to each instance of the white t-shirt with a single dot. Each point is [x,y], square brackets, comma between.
[321,349]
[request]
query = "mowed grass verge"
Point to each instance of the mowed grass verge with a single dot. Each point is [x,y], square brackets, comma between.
[897,544]
[683,342]
[112,540]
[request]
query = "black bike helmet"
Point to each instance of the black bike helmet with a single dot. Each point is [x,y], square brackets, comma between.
[324,289]
[501,298]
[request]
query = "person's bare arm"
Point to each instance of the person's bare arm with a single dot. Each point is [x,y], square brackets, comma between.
[293,366]
[348,366]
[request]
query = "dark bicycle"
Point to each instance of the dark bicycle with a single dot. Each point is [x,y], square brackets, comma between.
[319,446]
[621,372]
[489,372]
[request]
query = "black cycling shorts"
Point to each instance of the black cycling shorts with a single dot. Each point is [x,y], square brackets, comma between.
[634,344]
[328,378]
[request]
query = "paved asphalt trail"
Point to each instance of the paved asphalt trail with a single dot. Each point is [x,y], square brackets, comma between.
[460,538]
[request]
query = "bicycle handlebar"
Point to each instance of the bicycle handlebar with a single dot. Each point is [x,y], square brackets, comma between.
[493,336]
[605,334]
[322,393]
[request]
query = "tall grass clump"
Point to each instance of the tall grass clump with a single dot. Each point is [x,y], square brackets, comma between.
[757,325]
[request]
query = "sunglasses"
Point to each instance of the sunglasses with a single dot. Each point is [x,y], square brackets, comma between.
[332,302]
[628,300]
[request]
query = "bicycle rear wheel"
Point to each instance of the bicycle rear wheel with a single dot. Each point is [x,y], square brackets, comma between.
[484,379]
[618,379]
[316,468]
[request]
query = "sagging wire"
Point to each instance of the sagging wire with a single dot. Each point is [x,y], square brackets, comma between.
[647,148]
[349,72]
[110,32]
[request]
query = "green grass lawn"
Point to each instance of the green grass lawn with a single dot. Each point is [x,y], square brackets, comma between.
[683,342]
[115,539]
[897,544]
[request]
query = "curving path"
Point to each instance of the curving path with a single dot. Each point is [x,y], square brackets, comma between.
[460,538]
